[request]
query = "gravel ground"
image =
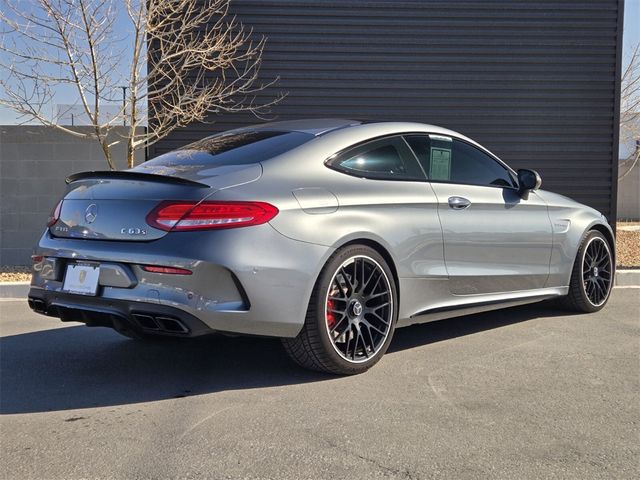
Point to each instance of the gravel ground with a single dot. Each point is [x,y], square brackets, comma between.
[628,244]
[10,273]
[628,247]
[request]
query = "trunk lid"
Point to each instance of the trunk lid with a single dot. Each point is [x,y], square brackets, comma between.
[115,205]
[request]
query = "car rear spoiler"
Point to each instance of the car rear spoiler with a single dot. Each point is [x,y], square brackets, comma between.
[145,177]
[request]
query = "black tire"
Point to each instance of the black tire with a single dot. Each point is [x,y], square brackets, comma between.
[319,345]
[584,282]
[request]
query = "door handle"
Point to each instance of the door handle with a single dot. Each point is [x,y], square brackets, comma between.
[459,203]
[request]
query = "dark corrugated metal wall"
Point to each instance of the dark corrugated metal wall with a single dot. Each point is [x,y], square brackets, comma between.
[533,80]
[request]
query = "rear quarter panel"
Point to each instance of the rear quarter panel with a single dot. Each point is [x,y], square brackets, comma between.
[399,215]
[321,206]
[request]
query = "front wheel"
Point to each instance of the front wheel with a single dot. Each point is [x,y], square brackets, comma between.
[592,275]
[351,315]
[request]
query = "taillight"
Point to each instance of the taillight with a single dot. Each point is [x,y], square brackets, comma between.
[168,270]
[181,216]
[55,214]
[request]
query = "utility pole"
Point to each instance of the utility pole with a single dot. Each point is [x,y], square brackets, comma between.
[124,105]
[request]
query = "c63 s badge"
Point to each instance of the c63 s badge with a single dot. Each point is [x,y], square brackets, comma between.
[133,231]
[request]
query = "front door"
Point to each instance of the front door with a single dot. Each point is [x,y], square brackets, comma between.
[494,240]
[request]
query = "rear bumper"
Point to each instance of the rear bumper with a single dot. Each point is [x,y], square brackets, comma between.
[118,314]
[251,281]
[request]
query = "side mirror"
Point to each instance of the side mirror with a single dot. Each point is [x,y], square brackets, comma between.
[528,180]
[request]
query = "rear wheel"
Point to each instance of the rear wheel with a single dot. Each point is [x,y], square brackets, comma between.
[351,315]
[592,276]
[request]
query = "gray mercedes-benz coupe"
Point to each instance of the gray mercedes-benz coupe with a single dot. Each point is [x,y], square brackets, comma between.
[327,233]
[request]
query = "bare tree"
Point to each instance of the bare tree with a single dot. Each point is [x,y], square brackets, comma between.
[630,110]
[202,62]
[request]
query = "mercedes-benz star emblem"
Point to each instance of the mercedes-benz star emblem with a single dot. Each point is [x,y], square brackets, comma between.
[91,213]
[357,308]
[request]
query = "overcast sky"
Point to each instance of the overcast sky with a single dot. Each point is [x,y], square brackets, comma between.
[631,38]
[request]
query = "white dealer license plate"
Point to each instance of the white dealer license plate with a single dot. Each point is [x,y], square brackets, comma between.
[81,279]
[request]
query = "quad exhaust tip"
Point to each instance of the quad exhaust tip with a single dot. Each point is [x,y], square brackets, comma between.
[159,323]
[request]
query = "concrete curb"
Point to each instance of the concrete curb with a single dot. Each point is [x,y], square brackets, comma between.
[18,290]
[627,278]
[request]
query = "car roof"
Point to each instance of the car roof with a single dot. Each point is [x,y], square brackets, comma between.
[314,126]
[345,132]
[322,126]
[357,130]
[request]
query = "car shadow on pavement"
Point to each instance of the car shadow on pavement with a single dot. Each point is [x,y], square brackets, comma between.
[80,367]
[423,334]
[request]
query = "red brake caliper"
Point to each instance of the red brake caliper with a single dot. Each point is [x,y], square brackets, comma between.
[331,319]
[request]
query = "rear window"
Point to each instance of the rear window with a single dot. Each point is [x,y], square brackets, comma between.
[232,149]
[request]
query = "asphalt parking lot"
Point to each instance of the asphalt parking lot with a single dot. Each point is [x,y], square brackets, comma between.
[529,392]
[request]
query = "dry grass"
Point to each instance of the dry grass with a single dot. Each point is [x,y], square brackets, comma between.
[627,246]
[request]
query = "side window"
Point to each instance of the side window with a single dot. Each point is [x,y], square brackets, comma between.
[473,166]
[447,160]
[385,159]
